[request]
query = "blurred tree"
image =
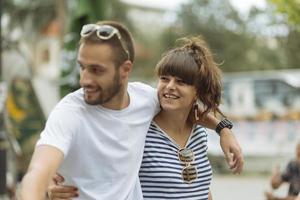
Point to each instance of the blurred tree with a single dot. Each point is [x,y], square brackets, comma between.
[234,46]
[118,11]
[28,15]
[23,26]
[291,8]
[25,119]
[291,47]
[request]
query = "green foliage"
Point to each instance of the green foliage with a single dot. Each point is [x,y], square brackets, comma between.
[234,46]
[291,46]
[291,8]
[25,119]
[28,15]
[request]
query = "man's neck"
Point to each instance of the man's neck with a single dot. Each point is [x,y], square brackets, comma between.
[120,101]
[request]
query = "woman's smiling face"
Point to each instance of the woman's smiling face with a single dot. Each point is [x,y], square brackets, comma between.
[175,94]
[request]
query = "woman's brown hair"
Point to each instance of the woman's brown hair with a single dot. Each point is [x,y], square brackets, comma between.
[193,62]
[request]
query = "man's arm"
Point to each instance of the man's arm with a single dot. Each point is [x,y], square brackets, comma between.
[276,179]
[44,163]
[228,142]
[270,196]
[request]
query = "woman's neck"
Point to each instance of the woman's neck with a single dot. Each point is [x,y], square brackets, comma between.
[175,125]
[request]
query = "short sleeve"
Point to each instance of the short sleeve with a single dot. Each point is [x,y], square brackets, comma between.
[150,93]
[154,96]
[60,129]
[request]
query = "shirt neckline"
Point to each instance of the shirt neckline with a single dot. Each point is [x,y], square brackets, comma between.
[171,139]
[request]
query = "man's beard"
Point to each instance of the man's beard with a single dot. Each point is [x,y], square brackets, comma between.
[108,94]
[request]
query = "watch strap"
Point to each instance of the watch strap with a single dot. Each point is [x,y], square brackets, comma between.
[224,123]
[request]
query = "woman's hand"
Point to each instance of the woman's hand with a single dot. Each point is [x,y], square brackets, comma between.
[57,191]
[232,151]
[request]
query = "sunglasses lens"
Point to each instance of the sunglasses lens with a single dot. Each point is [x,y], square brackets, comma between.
[189,173]
[186,155]
[106,31]
[87,29]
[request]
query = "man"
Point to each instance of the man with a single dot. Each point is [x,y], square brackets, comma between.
[291,175]
[95,136]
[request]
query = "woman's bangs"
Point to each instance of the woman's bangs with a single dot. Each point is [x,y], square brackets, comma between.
[179,64]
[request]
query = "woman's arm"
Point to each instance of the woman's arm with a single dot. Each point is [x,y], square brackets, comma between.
[229,144]
[209,195]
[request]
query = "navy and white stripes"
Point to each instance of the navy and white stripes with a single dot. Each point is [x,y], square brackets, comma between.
[160,173]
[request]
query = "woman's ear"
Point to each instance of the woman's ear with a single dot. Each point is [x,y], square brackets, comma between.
[196,96]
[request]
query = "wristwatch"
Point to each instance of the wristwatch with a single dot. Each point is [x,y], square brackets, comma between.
[224,123]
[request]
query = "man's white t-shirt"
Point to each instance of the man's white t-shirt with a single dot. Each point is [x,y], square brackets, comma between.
[102,148]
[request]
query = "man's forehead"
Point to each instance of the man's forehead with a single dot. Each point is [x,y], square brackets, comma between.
[94,53]
[95,45]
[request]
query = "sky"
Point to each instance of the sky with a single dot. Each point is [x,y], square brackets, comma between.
[242,6]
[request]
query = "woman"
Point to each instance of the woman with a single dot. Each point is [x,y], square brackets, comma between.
[175,163]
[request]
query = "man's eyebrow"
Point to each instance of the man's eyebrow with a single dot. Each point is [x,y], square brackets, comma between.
[93,65]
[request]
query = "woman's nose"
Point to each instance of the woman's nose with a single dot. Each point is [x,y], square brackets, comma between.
[171,84]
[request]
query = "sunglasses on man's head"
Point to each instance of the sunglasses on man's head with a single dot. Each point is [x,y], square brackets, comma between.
[103,32]
[189,172]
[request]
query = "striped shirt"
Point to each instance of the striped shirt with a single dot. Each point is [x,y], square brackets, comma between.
[160,173]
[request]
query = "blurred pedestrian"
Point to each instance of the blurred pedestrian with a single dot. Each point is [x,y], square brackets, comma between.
[290,175]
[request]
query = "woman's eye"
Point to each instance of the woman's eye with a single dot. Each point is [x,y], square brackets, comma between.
[163,78]
[180,81]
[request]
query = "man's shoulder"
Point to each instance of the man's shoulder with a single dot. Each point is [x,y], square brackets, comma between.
[141,88]
[140,85]
[73,100]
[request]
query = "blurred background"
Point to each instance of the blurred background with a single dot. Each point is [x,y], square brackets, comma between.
[256,43]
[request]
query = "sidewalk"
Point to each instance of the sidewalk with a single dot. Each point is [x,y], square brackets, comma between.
[237,187]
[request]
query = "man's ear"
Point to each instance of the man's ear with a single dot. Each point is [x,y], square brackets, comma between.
[125,69]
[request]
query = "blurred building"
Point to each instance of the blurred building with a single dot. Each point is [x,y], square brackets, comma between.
[262,95]
[265,107]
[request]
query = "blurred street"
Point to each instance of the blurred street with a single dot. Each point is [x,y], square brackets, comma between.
[232,187]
